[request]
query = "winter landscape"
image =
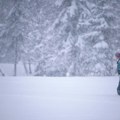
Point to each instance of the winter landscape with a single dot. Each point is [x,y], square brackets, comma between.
[57,59]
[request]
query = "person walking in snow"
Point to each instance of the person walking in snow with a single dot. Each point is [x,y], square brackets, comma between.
[118,70]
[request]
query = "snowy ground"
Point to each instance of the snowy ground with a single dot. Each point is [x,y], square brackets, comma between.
[70,98]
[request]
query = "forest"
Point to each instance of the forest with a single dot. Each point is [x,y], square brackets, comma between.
[60,37]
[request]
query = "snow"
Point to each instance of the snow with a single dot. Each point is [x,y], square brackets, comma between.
[59,98]
[101,44]
[93,33]
[100,67]
[57,21]
[2,25]
[10,12]
[85,8]
[72,9]
[65,18]
[80,42]
[58,3]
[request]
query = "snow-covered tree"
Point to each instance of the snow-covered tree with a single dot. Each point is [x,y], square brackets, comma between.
[68,38]
[79,36]
[12,34]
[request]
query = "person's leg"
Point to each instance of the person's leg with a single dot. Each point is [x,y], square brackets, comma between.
[118,88]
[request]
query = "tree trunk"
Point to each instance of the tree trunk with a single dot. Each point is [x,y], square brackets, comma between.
[25,67]
[16,57]
[30,70]
[2,73]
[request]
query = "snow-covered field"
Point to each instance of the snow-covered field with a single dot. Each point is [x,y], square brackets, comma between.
[70,98]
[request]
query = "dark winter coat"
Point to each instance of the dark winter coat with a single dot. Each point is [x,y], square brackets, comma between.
[118,88]
[118,66]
